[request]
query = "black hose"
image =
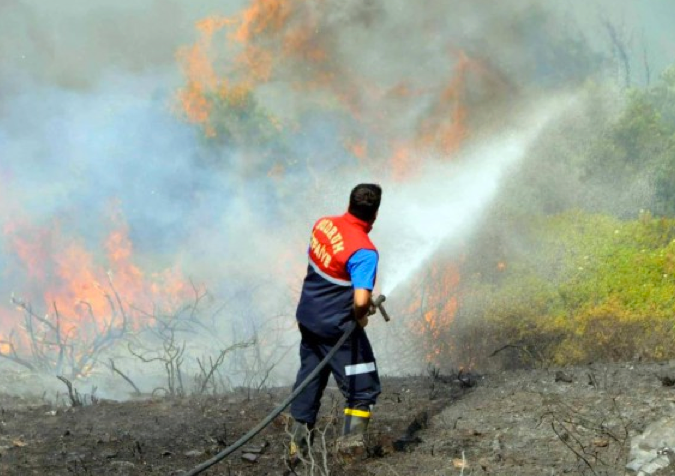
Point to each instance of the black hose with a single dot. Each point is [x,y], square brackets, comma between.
[268,419]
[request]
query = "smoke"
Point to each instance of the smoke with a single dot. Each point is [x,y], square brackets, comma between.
[445,201]
[75,45]
[422,100]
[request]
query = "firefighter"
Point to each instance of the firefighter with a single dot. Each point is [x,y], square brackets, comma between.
[337,290]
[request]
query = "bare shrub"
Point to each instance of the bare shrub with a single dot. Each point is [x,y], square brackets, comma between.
[599,442]
[172,341]
[45,343]
[319,458]
[76,398]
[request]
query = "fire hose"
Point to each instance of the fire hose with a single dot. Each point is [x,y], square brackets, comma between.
[377,304]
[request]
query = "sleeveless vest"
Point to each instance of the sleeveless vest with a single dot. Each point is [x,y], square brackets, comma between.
[327,300]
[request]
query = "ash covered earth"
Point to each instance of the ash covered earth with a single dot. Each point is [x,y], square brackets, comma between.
[594,419]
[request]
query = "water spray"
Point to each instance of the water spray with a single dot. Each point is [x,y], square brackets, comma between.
[445,199]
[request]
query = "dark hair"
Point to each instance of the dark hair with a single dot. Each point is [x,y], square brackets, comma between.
[364,201]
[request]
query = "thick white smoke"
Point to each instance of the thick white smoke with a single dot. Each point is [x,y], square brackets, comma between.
[86,125]
[445,200]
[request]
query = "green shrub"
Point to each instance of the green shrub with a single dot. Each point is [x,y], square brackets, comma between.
[588,287]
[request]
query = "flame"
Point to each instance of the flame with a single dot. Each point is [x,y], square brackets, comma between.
[445,127]
[403,163]
[433,305]
[261,17]
[290,42]
[31,252]
[198,67]
[74,294]
[287,42]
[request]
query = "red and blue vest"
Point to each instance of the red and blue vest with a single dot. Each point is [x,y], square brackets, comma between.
[327,301]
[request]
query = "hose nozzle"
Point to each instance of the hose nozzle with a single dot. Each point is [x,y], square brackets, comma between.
[377,303]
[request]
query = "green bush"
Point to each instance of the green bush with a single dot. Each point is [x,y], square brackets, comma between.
[579,287]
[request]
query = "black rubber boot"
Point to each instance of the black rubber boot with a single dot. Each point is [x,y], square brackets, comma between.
[351,444]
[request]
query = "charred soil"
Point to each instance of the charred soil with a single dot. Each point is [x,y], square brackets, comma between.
[529,422]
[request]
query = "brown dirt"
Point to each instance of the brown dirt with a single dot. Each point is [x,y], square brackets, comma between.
[511,423]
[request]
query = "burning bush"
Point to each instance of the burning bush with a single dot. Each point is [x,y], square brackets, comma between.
[85,309]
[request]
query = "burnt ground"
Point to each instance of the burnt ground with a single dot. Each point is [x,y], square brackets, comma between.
[530,422]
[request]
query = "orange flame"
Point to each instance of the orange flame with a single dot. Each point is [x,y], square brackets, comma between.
[445,127]
[263,16]
[198,68]
[286,42]
[82,294]
[433,306]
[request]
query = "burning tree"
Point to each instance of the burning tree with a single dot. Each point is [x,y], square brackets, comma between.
[431,309]
[89,310]
[51,343]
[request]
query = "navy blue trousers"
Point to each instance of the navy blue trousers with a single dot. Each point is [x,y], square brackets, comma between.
[353,367]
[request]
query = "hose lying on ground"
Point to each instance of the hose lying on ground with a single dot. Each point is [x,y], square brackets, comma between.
[268,419]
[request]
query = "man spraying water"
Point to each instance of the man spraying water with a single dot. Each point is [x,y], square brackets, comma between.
[336,291]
